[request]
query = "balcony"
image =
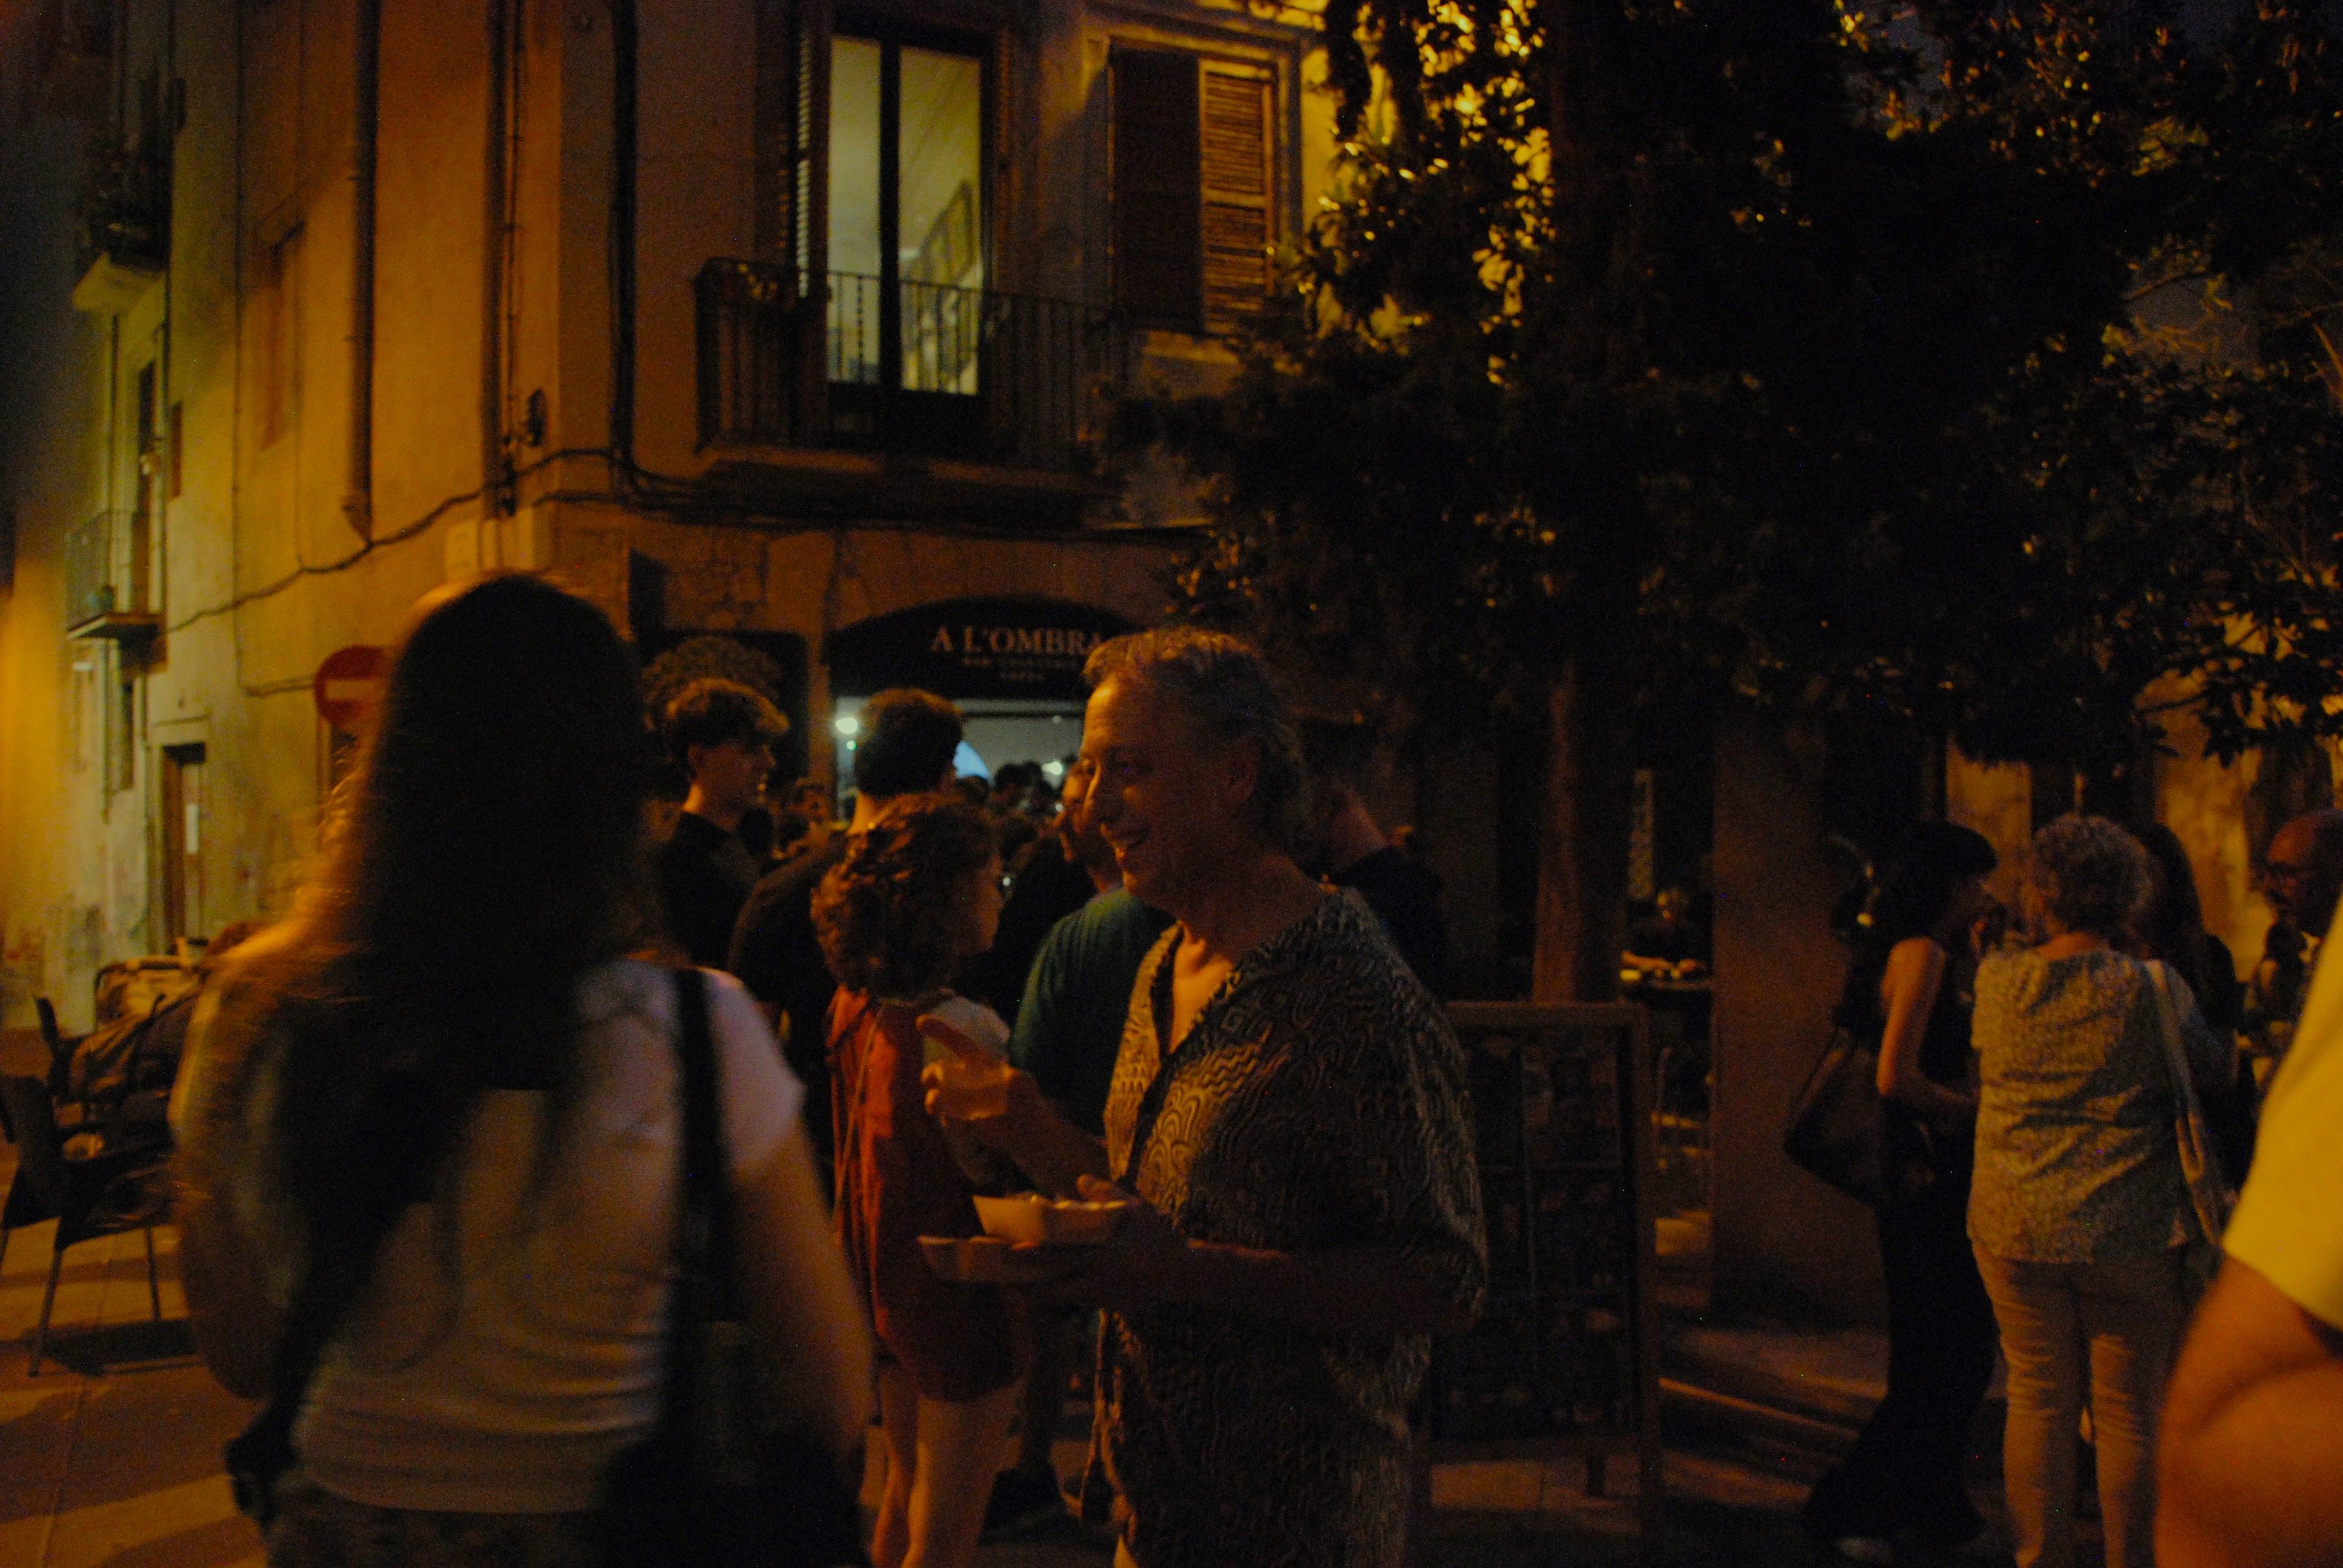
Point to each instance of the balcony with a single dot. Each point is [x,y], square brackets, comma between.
[105,579]
[125,228]
[917,370]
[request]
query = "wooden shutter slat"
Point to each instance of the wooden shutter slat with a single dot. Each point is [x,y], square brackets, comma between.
[1158,189]
[1233,126]
[1235,187]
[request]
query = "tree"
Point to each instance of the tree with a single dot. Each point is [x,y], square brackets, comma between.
[1657,350]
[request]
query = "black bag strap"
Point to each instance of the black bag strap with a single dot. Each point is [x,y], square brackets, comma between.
[703,1232]
[322,1296]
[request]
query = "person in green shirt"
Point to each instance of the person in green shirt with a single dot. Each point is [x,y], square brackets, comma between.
[1069,1029]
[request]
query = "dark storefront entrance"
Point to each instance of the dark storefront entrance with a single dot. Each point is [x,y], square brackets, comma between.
[1013,664]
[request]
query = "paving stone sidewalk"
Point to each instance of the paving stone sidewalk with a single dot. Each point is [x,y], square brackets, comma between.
[111,1455]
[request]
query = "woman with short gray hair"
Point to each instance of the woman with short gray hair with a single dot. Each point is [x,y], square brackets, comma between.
[2078,1210]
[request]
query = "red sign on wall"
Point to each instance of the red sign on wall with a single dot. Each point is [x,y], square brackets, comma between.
[348,683]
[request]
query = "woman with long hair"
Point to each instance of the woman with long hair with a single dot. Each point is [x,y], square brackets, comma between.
[1907,987]
[434,1120]
[916,896]
[2080,1212]
[2171,929]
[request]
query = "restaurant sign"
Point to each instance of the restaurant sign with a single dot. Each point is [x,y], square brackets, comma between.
[973,649]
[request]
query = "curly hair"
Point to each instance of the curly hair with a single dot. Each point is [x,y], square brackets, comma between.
[2090,874]
[883,914]
[1225,687]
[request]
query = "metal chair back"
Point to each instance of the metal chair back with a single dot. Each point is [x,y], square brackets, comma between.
[42,1180]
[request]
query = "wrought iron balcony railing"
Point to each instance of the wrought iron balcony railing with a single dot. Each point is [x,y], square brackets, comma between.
[918,367]
[106,576]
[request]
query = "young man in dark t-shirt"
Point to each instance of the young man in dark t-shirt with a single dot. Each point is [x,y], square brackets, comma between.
[905,747]
[723,734]
[1352,850]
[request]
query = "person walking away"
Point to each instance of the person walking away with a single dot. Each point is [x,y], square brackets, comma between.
[1068,1032]
[2079,1212]
[2250,1460]
[722,734]
[1349,848]
[1289,1125]
[915,895]
[2302,876]
[438,1111]
[1909,987]
[903,746]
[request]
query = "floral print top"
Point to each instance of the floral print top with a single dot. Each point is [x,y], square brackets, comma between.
[2077,1160]
[1317,1102]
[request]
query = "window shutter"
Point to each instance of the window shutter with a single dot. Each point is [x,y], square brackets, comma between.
[809,149]
[792,167]
[1235,189]
[1158,222]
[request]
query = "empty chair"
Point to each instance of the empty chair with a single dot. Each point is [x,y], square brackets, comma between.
[103,1195]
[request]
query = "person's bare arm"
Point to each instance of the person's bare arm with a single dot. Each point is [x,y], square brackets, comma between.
[1916,972]
[800,1298]
[1365,1291]
[233,1324]
[2250,1460]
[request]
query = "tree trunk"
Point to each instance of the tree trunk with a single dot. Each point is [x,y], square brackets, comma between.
[1583,843]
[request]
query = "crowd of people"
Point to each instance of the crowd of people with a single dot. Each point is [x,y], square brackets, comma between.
[2083,1075]
[429,1131]
[429,1126]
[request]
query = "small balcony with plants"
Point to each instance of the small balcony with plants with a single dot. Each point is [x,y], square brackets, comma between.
[124,227]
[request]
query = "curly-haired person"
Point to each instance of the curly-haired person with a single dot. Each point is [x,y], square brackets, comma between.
[916,893]
[2078,1210]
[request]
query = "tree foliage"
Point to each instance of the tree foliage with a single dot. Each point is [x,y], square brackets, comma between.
[1956,361]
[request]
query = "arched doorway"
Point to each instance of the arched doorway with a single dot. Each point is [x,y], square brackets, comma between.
[1012,663]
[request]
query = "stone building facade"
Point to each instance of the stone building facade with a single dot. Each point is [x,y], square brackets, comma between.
[769,317]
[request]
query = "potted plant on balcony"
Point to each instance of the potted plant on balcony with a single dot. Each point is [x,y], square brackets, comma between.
[123,228]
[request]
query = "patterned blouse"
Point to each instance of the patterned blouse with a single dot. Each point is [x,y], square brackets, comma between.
[1317,1102]
[2077,1156]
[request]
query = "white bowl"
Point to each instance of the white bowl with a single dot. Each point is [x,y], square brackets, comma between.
[1036,1220]
[984,1260]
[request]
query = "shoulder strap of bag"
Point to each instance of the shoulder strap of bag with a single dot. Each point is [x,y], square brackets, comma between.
[707,1191]
[322,1296]
[702,1218]
[2208,1194]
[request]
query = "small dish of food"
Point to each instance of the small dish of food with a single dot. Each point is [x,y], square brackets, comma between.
[986,1260]
[1040,1222]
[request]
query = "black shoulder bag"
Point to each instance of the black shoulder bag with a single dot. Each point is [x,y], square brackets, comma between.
[718,1483]
[1843,1129]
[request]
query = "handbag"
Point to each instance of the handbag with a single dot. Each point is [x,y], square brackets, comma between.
[718,1483]
[1843,1130]
[2210,1197]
